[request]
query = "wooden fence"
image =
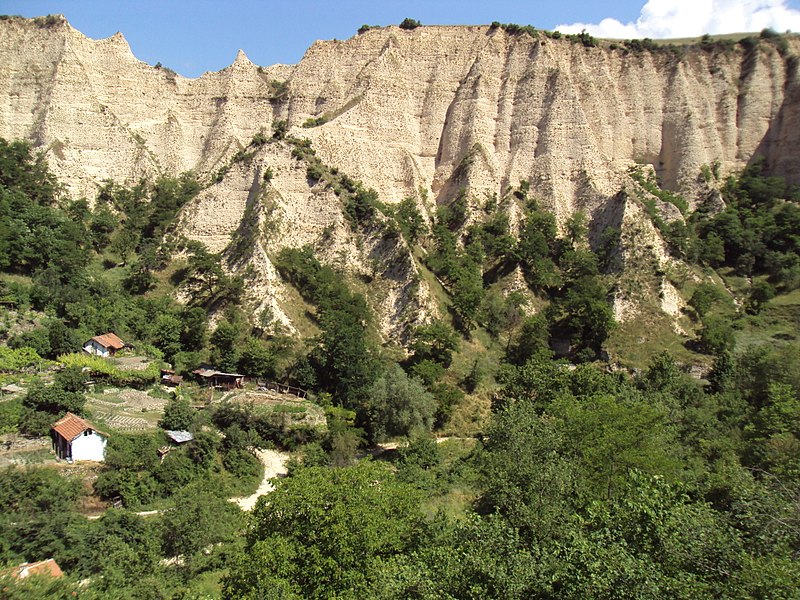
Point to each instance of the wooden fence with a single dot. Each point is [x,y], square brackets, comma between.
[282,388]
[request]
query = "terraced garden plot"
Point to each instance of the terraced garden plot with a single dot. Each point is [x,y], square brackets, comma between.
[125,409]
[295,410]
[122,422]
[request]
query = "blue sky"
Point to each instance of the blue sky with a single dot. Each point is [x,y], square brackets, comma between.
[203,35]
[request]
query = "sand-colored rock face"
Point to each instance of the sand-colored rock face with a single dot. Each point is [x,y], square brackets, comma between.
[433,109]
[406,107]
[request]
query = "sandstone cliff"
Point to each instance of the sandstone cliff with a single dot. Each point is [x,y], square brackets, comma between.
[433,110]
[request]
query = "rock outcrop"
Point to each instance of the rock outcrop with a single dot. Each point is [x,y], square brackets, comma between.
[418,113]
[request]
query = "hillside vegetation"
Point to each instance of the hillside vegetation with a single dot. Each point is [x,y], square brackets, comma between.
[581,483]
[564,381]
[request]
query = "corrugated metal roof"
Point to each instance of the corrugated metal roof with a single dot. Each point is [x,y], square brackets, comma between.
[214,373]
[180,437]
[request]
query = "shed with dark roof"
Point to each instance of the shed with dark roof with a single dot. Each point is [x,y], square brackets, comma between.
[218,379]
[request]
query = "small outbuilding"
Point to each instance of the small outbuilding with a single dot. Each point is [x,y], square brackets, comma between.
[179,437]
[218,379]
[104,345]
[169,378]
[75,439]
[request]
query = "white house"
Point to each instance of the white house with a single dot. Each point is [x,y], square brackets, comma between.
[74,439]
[104,345]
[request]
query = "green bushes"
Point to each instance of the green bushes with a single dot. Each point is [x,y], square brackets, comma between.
[649,183]
[583,38]
[267,427]
[399,405]
[410,24]
[514,29]
[754,234]
[178,415]
[12,360]
[104,370]
[279,90]
[315,122]
[410,220]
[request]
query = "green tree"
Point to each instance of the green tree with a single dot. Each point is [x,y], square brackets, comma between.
[179,415]
[761,293]
[704,298]
[325,533]
[411,221]
[167,335]
[258,360]
[532,339]
[525,473]
[410,24]
[435,342]
[611,436]
[121,547]
[399,405]
[717,336]
[225,346]
[200,518]
[194,328]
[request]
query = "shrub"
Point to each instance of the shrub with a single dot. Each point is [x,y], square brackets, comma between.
[410,24]
[717,336]
[279,129]
[178,415]
[241,464]
[315,121]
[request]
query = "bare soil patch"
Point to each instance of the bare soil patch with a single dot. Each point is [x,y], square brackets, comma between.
[125,409]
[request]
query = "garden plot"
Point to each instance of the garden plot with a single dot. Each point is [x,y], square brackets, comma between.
[295,411]
[126,409]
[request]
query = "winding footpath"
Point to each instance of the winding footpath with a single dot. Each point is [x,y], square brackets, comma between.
[274,466]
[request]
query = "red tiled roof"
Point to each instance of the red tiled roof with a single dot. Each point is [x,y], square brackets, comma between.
[109,340]
[70,426]
[44,567]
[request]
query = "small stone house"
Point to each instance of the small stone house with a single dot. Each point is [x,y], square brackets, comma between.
[104,345]
[75,439]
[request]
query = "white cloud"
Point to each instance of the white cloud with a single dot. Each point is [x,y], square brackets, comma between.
[660,19]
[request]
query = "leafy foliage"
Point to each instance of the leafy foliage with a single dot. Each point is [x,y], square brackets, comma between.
[326,532]
[399,405]
[410,24]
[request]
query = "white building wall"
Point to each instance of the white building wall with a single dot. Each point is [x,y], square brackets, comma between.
[92,347]
[89,447]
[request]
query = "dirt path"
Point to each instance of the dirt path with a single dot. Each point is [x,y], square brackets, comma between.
[274,466]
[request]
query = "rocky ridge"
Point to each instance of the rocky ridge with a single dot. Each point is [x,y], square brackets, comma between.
[419,113]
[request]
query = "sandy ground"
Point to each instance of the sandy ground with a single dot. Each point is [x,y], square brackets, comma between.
[274,466]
